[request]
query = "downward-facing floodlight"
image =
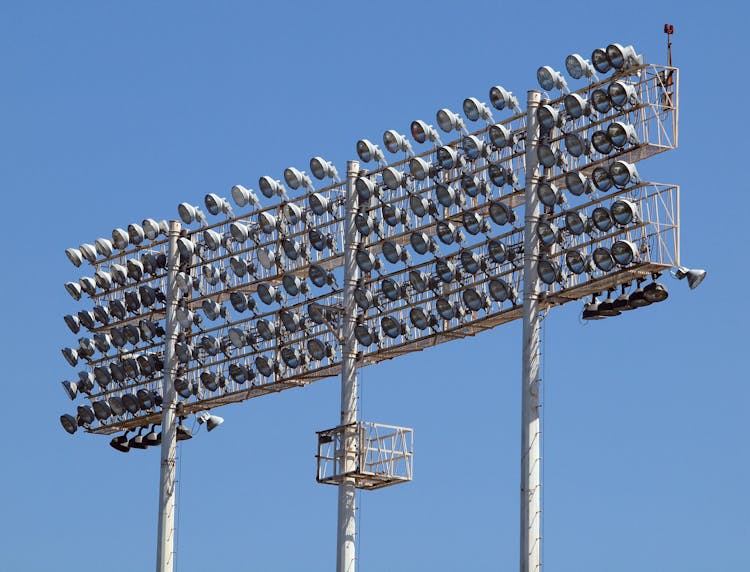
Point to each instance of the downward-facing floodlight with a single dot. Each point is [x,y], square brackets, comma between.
[622,303]
[395,142]
[320,168]
[550,79]
[189,214]
[74,255]
[271,187]
[421,132]
[621,57]
[243,197]
[449,121]
[183,433]
[655,292]
[152,438]
[295,179]
[500,98]
[211,421]
[216,204]
[474,110]
[623,174]
[575,262]
[600,60]
[694,276]
[579,67]
[121,443]
[591,310]
[368,151]
[621,93]
[607,307]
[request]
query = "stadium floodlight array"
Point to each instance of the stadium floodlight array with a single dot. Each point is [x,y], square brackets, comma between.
[510,216]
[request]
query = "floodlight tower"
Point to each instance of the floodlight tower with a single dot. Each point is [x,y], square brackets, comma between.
[432,247]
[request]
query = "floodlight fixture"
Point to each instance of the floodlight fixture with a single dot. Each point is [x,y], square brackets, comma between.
[621,93]
[600,60]
[576,106]
[548,233]
[473,186]
[75,256]
[591,310]
[602,219]
[621,134]
[607,306]
[500,290]
[474,110]
[624,252]
[121,443]
[320,168]
[500,176]
[448,157]
[392,289]
[474,300]
[88,285]
[446,232]
[104,247]
[421,318]
[655,292]
[368,151]
[294,285]
[601,178]
[189,214]
[447,195]
[548,155]
[88,251]
[394,179]
[216,204]
[449,121]
[271,188]
[295,179]
[395,142]
[624,212]
[623,174]
[622,303]
[243,197]
[136,234]
[576,262]
[548,117]
[319,350]
[473,147]
[500,98]
[392,327]
[268,223]
[421,169]
[269,294]
[85,416]
[152,229]
[576,145]
[621,57]
[120,239]
[579,67]
[421,132]
[447,309]
[550,79]
[183,433]
[694,276]
[548,194]
[473,223]
[600,101]
[394,252]
[497,251]
[601,142]
[603,259]
[501,136]
[548,271]
[319,204]
[471,262]
[575,223]
[211,421]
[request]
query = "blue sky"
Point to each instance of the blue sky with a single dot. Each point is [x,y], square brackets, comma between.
[113,112]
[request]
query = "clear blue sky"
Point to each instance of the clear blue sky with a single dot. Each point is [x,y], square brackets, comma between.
[117,111]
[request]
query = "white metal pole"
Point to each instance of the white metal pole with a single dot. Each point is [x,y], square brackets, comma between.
[531,435]
[346,531]
[167,472]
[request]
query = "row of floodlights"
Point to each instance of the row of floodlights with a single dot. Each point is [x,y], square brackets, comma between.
[603,60]
[640,297]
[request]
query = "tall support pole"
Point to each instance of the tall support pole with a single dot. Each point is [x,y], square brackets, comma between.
[167,472]
[345,547]
[531,434]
